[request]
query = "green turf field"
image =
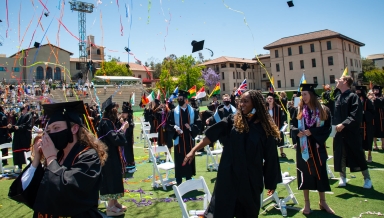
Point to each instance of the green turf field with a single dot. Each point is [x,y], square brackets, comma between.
[346,202]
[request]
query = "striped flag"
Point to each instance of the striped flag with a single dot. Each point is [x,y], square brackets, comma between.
[133,99]
[242,88]
[158,95]
[216,90]
[192,92]
[201,93]
[151,97]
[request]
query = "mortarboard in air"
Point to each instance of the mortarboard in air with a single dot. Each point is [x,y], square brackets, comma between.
[36,45]
[127,49]
[309,87]
[66,111]
[197,46]
[107,104]
[361,88]
[290,3]
[46,14]
[244,66]
[183,93]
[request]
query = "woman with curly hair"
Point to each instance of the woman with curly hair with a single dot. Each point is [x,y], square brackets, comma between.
[250,138]
[64,177]
[311,127]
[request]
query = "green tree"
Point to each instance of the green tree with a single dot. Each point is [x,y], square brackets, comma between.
[113,68]
[367,65]
[188,73]
[376,76]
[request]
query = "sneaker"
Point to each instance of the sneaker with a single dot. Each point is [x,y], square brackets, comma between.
[367,184]
[342,182]
[132,170]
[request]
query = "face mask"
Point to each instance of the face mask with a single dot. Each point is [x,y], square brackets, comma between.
[226,103]
[59,139]
[181,102]
[377,94]
[359,94]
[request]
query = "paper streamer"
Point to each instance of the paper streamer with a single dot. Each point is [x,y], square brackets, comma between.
[44,5]
[149,9]
[6,12]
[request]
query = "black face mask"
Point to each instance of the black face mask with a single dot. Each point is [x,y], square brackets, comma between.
[181,102]
[226,103]
[359,94]
[60,139]
[377,94]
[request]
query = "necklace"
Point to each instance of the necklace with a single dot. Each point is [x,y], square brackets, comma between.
[309,121]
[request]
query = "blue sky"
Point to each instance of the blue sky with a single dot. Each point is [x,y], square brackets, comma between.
[223,30]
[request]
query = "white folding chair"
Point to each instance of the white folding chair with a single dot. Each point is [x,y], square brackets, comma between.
[329,171]
[188,186]
[167,166]
[27,155]
[291,196]
[214,156]
[9,156]
[148,143]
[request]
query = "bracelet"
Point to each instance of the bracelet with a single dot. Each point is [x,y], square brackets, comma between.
[51,156]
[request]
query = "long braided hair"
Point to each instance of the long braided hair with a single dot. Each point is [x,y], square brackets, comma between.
[241,124]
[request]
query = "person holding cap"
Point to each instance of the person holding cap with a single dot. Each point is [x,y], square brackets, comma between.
[312,127]
[112,187]
[127,116]
[64,177]
[367,128]
[183,122]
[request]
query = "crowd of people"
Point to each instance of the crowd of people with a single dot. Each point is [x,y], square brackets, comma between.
[81,152]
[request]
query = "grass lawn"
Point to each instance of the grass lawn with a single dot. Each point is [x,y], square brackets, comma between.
[346,202]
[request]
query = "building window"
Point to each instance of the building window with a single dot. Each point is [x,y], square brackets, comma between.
[78,66]
[223,86]
[355,63]
[276,53]
[234,75]
[253,75]
[222,75]
[98,52]
[39,73]
[237,65]
[264,75]
[89,52]
[301,64]
[312,47]
[300,49]
[278,83]
[48,73]
[349,47]
[3,68]
[330,60]
[332,79]
[292,83]
[139,76]
[253,66]
[359,64]
[277,67]
[313,62]
[346,61]
[315,79]
[57,75]
[223,65]
[254,85]
[16,69]
[250,85]
[234,85]
[289,51]
[351,62]
[237,75]
[329,45]
[231,65]
[290,65]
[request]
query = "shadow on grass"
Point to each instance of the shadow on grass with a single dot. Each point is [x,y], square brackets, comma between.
[375,165]
[190,195]
[286,160]
[297,211]
[358,191]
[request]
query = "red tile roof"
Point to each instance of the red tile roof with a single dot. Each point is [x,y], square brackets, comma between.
[308,37]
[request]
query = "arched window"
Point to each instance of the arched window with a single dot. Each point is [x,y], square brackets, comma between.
[57,75]
[48,74]
[98,52]
[39,73]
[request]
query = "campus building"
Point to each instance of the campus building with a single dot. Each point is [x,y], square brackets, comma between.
[378,60]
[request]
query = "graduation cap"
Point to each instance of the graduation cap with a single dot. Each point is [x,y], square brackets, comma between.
[127,49]
[125,107]
[46,14]
[183,93]
[1,21]
[108,104]
[197,46]
[66,111]
[290,4]
[309,88]
[36,45]
[377,87]
[272,94]
[211,107]
[363,89]
[244,66]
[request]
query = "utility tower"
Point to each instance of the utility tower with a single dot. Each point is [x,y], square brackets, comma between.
[82,8]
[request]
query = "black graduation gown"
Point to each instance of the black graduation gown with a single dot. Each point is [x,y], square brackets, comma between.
[379,118]
[128,149]
[112,171]
[279,117]
[367,128]
[68,190]
[162,116]
[312,175]
[21,138]
[186,142]
[291,111]
[242,175]
[222,112]
[3,134]
[349,112]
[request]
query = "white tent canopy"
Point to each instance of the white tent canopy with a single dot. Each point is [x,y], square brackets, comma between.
[119,78]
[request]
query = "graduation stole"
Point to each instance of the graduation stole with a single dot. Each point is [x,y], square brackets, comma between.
[217,117]
[176,116]
[304,139]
